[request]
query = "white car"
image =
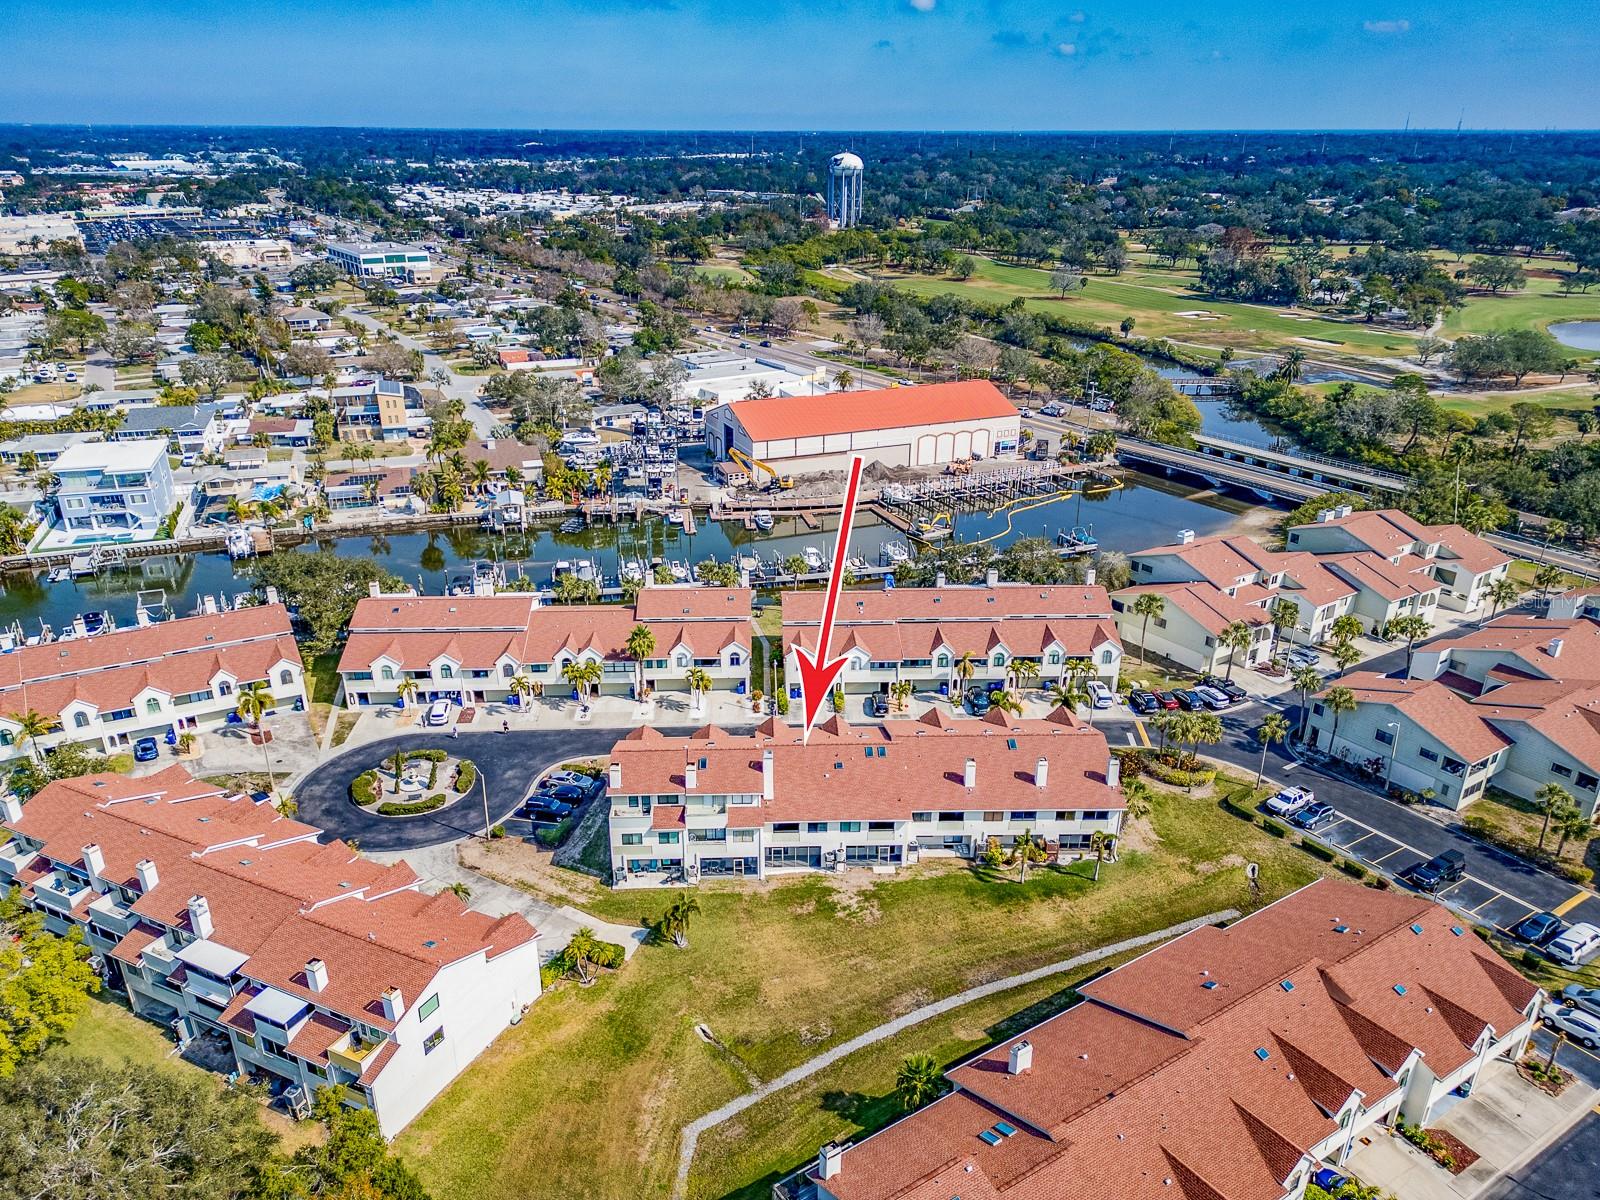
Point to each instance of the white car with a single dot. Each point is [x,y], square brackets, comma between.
[1581,1027]
[438,713]
[1576,946]
[1099,694]
[1290,801]
[580,437]
[1303,656]
[70,377]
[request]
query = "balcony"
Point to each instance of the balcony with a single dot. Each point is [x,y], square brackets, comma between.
[110,915]
[61,893]
[13,857]
[352,1052]
[158,957]
[207,988]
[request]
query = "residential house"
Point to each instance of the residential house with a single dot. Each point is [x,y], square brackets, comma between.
[173,677]
[370,487]
[44,448]
[384,410]
[188,428]
[1191,626]
[944,638]
[283,432]
[876,796]
[472,648]
[1230,1062]
[306,965]
[113,491]
[301,319]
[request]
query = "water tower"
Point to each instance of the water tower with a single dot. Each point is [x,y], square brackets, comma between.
[844,190]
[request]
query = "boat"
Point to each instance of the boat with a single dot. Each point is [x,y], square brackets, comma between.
[813,558]
[679,569]
[1079,539]
[675,516]
[762,518]
[240,542]
[572,525]
[631,570]
[59,574]
[895,553]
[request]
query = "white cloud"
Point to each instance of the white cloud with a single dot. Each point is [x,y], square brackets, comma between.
[923,5]
[1387,27]
[1066,49]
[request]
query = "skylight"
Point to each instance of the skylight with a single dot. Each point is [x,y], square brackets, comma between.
[1209,984]
[1287,985]
[1417,929]
[1456,929]
[990,1137]
[1011,743]
[1399,989]
[1005,1128]
[1261,1053]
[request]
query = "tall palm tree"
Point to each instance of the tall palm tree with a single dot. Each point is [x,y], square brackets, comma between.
[1274,729]
[1338,701]
[699,684]
[1552,801]
[1101,843]
[1501,593]
[917,1081]
[1068,694]
[965,668]
[1411,627]
[1006,702]
[1307,680]
[1147,605]
[406,690]
[1023,671]
[1236,637]
[1285,614]
[33,725]
[255,701]
[641,644]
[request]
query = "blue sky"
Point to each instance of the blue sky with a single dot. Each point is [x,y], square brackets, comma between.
[803,64]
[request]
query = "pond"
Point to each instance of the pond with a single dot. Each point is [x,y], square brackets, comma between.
[1580,335]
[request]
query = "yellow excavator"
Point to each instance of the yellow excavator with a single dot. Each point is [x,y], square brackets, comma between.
[750,466]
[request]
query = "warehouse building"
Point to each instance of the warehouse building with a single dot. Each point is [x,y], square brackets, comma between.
[900,427]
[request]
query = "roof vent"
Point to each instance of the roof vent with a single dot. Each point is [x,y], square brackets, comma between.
[1020,1058]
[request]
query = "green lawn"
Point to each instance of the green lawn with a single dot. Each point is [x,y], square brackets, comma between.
[1539,304]
[110,1032]
[719,271]
[608,1075]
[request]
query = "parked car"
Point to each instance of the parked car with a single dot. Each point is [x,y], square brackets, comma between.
[1050,410]
[1539,929]
[766,345]
[1189,701]
[977,701]
[145,750]
[1099,694]
[569,794]
[1581,1027]
[1575,995]
[1440,871]
[537,808]
[1227,687]
[1212,697]
[1329,1180]
[438,713]
[1303,656]
[1144,702]
[1314,815]
[1576,946]
[572,777]
[877,705]
[1167,700]
[1290,801]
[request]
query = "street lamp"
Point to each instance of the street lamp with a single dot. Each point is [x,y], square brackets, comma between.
[1394,746]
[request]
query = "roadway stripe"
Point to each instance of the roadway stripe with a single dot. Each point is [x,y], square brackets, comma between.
[1143,736]
[1568,905]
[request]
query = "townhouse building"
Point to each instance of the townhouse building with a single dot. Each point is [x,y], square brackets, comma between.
[880,796]
[230,924]
[1266,1050]
[471,649]
[113,491]
[1514,703]
[944,638]
[173,677]
[1189,629]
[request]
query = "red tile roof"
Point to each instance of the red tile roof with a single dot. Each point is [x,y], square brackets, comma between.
[778,417]
[1433,707]
[1208,607]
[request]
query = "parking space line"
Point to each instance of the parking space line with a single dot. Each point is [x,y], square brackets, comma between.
[1138,724]
[1571,903]
[1391,854]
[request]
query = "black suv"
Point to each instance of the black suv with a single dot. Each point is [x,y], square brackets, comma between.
[1438,872]
[877,705]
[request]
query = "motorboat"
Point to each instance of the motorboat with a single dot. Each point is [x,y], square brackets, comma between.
[680,570]
[762,518]
[895,553]
[813,558]
[675,516]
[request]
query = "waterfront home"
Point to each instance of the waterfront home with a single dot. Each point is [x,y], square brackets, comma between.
[112,491]
[189,429]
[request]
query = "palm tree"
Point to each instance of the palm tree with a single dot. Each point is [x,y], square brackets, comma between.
[1338,700]
[1027,849]
[1346,656]
[580,955]
[406,690]
[478,474]
[460,891]
[1573,825]
[917,1081]
[1207,728]
[1163,723]
[794,565]
[1006,702]
[1138,796]
[901,691]
[699,684]
[1149,604]
[1274,729]
[641,644]
[965,668]
[1345,629]
[675,921]
[255,701]
[1237,636]
[1547,578]
[1023,671]
[1553,801]
[1068,694]
[33,725]
[1502,592]
[1285,614]
[583,676]
[521,687]
[1306,681]
[1101,843]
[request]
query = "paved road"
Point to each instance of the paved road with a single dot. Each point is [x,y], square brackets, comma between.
[459,387]
[1568,1170]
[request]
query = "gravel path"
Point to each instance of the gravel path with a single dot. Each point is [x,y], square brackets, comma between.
[693,1130]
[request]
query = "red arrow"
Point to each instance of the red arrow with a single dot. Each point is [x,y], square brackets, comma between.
[817,675]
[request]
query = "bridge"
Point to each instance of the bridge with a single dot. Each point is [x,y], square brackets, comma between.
[1268,474]
[1333,473]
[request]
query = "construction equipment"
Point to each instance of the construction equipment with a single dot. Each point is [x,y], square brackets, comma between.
[752,465]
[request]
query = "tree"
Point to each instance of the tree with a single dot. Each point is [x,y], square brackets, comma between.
[1137,797]
[1006,702]
[1306,681]
[1410,626]
[1101,843]
[1236,637]
[917,1081]
[1573,824]
[1027,849]
[1338,701]
[45,982]
[675,921]
[1273,729]
[1065,279]
[1429,347]
[580,954]
[901,691]
[78,1128]
[1023,671]
[255,701]
[1346,656]
[965,668]
[1145,606]
[324,588]
[570,589]
[1497,274]
[1502,592]
[71,326]
[1552,801]
[641,644]
[1285,614]
[699,683]
[1345,629]
[33,725]
[582,676]
[352,1163]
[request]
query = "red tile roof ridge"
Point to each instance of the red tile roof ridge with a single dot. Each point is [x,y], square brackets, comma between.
[1193,1184]
[1463,1023]
[1279,1152]
[1387,1048]
[1315,1076]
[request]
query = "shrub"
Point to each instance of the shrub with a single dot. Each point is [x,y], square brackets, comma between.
[364,788]
[394,808]
[1272,827]
[838,702]
[433,775]
[498,831]
[551,836]
[1353,869]
[1228,805]
[1317,850]
[466,776]
[1178,776]
[436,756]
[1133,761]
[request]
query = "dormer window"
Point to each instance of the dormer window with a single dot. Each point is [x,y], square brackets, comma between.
[388,673]
[446,671]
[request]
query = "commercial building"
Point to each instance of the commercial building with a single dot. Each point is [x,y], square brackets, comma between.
[1231,1062]
[378,260]
[927,426]
[112,491]
[719,376]
[471,649]
[169,677]
[874,796]
[946,638]
[304,964]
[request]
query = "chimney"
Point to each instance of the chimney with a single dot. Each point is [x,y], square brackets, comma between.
[1021,1058]
[1114,771]
[829,1159]
[614,775]
[1041,773]
[1344,510]
[145,869]
[691,772]
[11,810]
[970,775]
[1554,649]
[991,577]
[200,916]
[938,579]
[316,975]
[1089,577]
[1324,515]
[394,1004]
[1185,536]
[94,862]
[373,589]
[272,594]
[766,774]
